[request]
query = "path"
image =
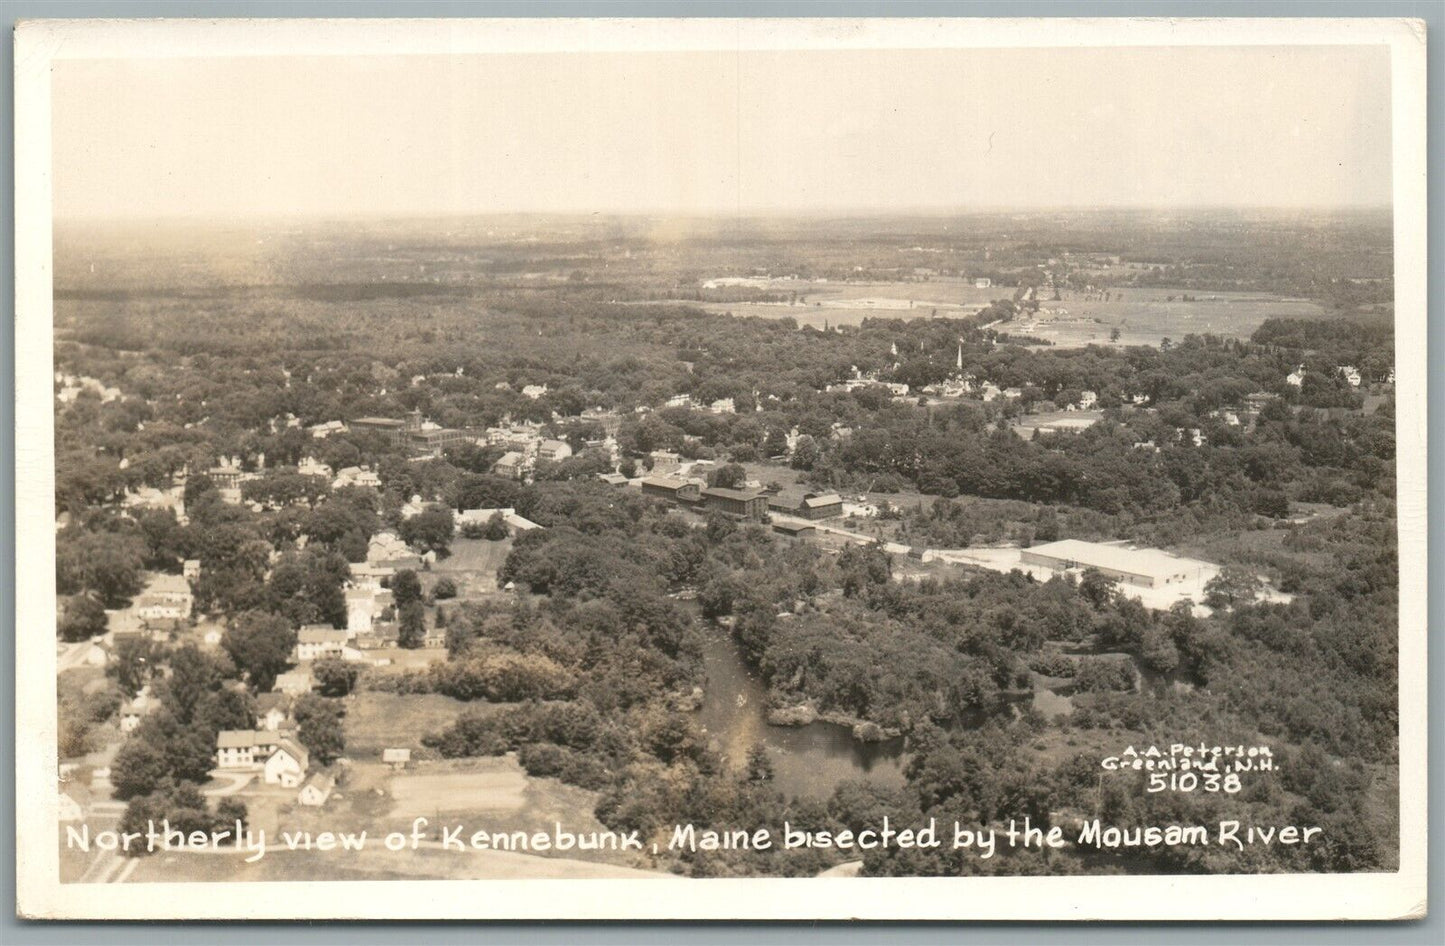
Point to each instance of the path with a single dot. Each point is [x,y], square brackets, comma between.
[239,780]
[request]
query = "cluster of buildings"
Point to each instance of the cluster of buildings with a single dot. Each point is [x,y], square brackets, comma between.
[895,388]
[1350,373]
[740,503]
[723,405]
[752,504]
[413,432]
[526,444]
[278,757]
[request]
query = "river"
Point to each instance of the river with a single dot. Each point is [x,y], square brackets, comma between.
[808,761]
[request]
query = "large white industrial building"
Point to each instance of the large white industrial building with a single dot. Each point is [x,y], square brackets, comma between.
[1144,568]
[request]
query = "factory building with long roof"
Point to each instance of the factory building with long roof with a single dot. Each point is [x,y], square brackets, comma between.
[1144,568]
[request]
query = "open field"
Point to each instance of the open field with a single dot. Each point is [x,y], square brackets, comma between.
[500,789]
[376,721]
[1142,316]
[1068,421]
[839,303]
[473,565]
[1147,316]
[403,659]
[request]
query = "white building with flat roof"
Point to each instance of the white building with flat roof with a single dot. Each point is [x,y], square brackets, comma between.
[1144,568]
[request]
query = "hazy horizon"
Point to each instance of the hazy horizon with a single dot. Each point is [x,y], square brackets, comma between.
[713,134]
[747,214]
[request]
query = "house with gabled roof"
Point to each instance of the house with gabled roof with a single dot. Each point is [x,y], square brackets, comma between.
[316,789]
[272,710]
[318,641]
[294,682]
[286,766]
[166,598]
[280,758]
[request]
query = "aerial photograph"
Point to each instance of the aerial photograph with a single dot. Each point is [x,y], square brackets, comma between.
[887,463]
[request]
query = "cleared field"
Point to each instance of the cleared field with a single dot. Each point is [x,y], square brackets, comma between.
[1142,316]
[499,789]
[1066,421]
[401,659]
[473,565]
[1148,316]
[376,721]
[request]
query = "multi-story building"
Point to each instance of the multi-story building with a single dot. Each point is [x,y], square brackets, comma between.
[746,504]
[674,488]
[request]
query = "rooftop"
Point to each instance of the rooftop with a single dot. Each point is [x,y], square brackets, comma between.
[320,781]
[245,738]
[169,584]
[1115,557]
[741,495]
[320,634]
[665,482]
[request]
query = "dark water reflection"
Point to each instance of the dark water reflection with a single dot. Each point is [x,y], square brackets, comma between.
[808,761]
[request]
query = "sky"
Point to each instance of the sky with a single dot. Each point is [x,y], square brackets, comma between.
[722,132]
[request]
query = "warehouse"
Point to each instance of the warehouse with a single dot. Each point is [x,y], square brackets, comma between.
[1144,568]
[674,488]
[807,505]
[736,502]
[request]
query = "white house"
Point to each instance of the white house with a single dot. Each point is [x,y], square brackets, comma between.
[360,610]
[387,547]
[294,682]
[317,641]
[553,450]
[512,465]
[310,466]
[316,789]
[244,748]
[286,766]
[1297,377]
[369,575]
[1351,374]
[133,711]
[167,597]
[533,391]
[356,476]
[272,711]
